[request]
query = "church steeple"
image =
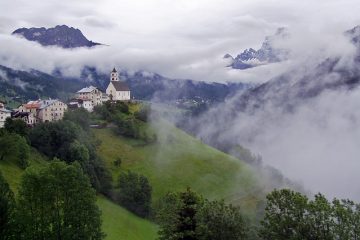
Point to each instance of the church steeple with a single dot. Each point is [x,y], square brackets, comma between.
[114,76]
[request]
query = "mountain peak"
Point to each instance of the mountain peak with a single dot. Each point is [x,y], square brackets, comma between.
[268,53]
[60,35]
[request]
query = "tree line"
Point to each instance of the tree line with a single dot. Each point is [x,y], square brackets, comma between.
[288,215]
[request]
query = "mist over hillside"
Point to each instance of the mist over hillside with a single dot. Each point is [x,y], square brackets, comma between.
[304,122]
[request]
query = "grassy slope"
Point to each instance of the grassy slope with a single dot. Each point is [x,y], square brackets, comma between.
[118,223]
[175,162]
[12,173]
[179,160]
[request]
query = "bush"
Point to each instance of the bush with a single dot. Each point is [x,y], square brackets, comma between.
[143,114]
[117,162]
[7,205]
[126,126]
[17,126]
[79,116]
[14,147]
[135,193]
[103,111]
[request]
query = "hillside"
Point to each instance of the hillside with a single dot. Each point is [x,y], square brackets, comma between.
[118,223]
[20,86]
[173,162]
[178,160]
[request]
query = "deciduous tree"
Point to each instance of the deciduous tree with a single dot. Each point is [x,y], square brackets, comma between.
[57,202]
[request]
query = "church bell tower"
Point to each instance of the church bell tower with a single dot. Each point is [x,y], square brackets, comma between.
[114,76]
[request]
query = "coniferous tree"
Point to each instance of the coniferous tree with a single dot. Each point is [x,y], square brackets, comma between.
[177,216]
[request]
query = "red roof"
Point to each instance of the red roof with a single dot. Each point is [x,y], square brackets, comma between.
[32,105]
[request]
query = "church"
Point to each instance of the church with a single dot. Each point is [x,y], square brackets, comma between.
[117,90]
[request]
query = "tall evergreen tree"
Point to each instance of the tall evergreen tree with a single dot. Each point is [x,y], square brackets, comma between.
[177,216]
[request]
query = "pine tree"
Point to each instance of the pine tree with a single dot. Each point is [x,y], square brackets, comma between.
[177,216]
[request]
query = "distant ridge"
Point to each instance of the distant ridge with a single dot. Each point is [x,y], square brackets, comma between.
[61,35]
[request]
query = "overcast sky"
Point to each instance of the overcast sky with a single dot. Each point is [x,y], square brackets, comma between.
[187,39]
[176,38]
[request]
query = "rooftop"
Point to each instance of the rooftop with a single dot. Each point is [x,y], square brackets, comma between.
[40,104]
[4,110]
[87,89]
[120,86]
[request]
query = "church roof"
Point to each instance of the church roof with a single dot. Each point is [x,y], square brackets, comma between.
[120,86]
[114,70]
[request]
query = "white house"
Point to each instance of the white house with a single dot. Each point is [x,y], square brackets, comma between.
[4,114]
[117,90]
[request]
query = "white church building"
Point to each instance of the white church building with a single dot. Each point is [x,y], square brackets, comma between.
[117,90]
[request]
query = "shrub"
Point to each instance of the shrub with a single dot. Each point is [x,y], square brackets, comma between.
[143,114]
[135,193]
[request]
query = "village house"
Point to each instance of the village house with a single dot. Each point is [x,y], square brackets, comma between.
[4,114]
[117,90]
[92,94]
[27,117]
[44,110]
[81,103]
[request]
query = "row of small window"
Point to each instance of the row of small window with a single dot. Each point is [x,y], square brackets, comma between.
[52,114]
[53,109]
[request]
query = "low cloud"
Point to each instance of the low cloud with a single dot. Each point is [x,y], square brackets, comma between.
[182,39]
[311,140]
